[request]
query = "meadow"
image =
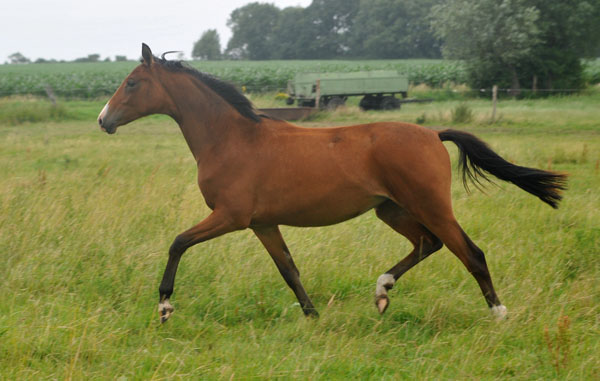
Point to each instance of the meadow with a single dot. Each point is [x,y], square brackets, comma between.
[86,221]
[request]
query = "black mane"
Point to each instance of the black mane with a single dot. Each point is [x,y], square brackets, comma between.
[224,89]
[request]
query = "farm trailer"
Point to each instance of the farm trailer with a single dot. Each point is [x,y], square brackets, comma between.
[330,90]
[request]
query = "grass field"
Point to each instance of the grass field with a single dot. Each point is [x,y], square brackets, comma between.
[86,221]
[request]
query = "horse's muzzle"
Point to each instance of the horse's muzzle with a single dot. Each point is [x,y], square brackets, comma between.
[106,127]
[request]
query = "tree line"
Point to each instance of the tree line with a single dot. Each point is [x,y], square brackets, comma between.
[19,58]
[327,29]
[515,44]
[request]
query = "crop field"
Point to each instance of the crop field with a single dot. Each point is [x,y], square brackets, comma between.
[89,80]
[93,80]
[87,218]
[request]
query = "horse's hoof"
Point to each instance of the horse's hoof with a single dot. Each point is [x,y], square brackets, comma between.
[385,282]
[165,309]
[499,312]
[382,304]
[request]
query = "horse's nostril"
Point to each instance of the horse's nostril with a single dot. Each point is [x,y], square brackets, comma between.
[100,121]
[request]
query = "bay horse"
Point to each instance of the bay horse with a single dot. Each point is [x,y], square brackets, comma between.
[259,172]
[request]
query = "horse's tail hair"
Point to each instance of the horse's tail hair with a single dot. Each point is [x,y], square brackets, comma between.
[476,156]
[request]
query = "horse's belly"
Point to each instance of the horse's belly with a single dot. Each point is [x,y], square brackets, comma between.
[326,211]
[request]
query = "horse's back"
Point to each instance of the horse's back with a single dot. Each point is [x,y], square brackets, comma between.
[364,153]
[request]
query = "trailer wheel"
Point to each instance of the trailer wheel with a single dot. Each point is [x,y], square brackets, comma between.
[390,103]
[335,102]
[368,102]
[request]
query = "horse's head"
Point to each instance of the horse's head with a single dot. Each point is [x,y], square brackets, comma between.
[140,94]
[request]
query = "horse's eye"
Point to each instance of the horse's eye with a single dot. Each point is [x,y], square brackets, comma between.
[130,83]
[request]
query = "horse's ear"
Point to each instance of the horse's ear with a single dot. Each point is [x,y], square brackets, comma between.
[147,55]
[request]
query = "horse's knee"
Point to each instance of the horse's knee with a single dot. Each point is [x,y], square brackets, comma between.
[178,247]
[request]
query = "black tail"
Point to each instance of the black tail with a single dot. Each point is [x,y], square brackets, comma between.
[476,156]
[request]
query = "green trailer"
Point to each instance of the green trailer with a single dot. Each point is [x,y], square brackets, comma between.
[330,90]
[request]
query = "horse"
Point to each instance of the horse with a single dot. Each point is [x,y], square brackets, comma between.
[259,172]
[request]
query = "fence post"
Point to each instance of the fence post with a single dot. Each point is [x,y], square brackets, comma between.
[494,102]
[318,93]
[50,94]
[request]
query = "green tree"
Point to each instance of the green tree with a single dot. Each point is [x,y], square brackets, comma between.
[18,58]
[569,31]
[253,27]
[90,58]
[327,26]
[394,29]
[333,28]
[516,43]
[287,33]
[492,36]
[208,47]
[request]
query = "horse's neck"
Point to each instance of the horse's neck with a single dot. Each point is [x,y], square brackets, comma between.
[205,119]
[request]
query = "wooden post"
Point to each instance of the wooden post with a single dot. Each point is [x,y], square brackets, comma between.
[494,102]
[50,94]
[318,93]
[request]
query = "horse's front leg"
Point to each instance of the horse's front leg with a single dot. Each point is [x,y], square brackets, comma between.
[216,224]
[273,241]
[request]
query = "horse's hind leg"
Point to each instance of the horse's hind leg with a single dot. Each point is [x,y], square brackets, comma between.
[471,256]
[424,242]
[273,241]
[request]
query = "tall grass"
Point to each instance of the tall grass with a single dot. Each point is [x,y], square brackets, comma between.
[18,110]
[87,220]
[462,113]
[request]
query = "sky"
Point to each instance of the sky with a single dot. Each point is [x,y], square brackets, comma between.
[69,29]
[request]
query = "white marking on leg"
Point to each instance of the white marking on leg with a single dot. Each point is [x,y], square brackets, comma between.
[384,283]
[499,312]
[165,309]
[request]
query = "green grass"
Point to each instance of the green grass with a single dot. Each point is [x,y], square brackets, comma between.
[86,221]
[19,110]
